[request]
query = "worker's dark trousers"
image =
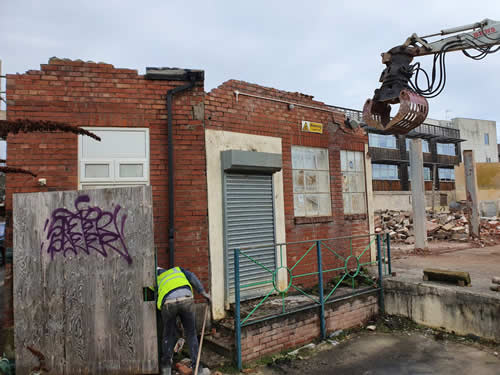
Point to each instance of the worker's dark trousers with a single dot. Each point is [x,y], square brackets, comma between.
[185,310]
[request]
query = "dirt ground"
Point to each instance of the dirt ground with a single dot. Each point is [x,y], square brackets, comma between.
[401,353]
[482,263]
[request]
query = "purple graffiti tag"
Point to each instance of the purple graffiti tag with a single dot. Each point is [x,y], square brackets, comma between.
[88,229]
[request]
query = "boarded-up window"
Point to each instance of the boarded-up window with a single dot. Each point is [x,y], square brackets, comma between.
[353,184]
[311,181]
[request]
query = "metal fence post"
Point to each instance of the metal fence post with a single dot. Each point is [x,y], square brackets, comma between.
[237,323]
[380,275]
[388,241]
[320,281]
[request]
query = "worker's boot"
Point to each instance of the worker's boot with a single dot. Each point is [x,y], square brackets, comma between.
[166,370]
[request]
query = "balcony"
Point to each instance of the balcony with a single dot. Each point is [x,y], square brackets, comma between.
[426,131]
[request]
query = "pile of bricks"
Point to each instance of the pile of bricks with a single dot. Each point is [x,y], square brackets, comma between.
[440,226]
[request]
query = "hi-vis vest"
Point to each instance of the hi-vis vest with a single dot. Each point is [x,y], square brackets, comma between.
[169,280]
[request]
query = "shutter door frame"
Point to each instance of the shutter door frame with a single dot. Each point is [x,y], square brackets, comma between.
[228,250]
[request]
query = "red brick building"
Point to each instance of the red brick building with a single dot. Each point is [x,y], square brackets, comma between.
[252,165]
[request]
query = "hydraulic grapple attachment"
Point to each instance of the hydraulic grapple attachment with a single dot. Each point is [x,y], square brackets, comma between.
[413,110]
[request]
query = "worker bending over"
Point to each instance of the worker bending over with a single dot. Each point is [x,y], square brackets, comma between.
[175,298]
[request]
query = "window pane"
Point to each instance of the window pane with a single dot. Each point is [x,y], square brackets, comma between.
[297,158]
[298,181]
[383,141]
[311,181]
[347,203]
[312,204]
[131,170]
[486,139]
[358,203]
[299,207]
[321,159]
[385,171]
[343,160]
[323,182]
[96,170]
[358,161]
[325,206]
[359,183]
[309,159]
[115,144]
[446,149]
[446,174]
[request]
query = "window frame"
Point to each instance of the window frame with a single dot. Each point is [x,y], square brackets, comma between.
[376,135]
[114,162]
[486,138]
[385,179]
[447,179]
[358,174]
[305,193]
[454,149]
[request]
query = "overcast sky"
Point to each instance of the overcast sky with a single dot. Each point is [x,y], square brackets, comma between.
[329,49]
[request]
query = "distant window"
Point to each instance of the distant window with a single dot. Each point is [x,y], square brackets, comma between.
[446,174]
[446,149]
[425,145]
[427,174]
[385,172]
[486,139]
[311,181]
[353,185]
[382,141]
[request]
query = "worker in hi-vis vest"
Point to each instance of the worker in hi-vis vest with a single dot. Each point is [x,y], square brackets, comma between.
[175,298]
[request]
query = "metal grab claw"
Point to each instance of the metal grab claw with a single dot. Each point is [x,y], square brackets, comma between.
[412,112]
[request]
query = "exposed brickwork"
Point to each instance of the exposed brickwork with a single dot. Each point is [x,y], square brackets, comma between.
[96,94]
[100,95]
[303,327]
[257,116]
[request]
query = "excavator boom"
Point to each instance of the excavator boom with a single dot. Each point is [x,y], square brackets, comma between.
[397,87]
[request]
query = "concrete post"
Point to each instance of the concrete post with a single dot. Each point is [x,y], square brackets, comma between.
[418,194]
[471,193]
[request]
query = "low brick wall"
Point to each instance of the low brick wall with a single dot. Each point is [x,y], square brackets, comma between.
[302,327]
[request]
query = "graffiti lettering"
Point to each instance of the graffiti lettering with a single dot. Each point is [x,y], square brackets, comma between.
[88,229]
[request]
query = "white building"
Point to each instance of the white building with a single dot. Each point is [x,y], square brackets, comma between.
[480,136]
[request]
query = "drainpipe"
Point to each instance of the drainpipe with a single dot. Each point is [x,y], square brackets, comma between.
[178,75]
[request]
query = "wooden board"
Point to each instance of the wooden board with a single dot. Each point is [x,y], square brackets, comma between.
[81,260]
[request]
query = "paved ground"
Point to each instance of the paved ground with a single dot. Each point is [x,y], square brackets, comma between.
[481,263]
[373,353]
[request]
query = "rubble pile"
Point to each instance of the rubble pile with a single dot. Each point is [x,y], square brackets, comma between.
[450,226]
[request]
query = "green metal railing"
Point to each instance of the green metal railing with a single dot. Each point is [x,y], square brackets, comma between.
[350,270]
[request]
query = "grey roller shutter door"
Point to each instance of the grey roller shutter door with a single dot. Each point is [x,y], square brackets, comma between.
[249,221]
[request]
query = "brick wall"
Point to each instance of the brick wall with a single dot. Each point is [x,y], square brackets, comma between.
[258,116]
[297,329]
[97,94]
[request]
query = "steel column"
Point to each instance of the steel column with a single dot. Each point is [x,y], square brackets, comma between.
[380,273]
[388,241]
[320,287]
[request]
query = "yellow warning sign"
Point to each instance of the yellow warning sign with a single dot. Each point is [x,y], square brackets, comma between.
[312,127]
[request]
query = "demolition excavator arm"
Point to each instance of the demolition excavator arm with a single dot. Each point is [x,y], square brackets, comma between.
[401,83]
